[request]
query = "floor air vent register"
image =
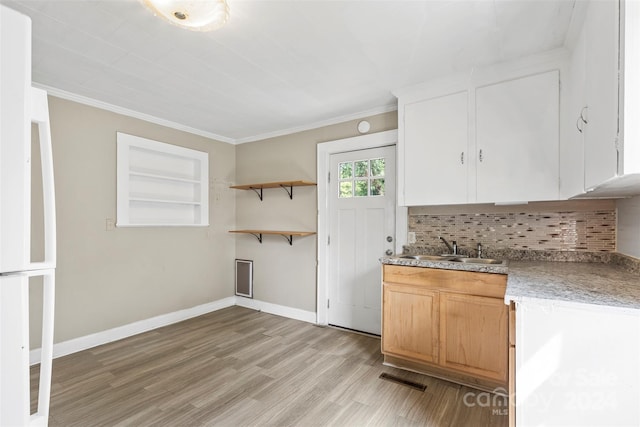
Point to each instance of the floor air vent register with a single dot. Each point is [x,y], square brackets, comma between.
[244,278]
[398,380]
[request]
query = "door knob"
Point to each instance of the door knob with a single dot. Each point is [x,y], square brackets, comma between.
[389,252]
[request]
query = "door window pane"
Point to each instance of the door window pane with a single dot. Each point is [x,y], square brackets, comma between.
[346,170]
[377,187]
[377,167]
[362,187]
[362,168]
[346,189]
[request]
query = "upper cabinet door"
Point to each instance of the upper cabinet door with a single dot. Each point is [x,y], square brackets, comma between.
[601,131]
[435,150]
[517,139]
[574,123]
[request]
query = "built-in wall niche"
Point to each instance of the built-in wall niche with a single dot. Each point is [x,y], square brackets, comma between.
[160,184]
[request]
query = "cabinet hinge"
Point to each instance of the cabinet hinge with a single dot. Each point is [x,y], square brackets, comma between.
[328,177]
[328,240]
[328,304]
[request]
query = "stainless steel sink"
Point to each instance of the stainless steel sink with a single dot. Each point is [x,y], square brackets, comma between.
[454,258]
[481,260]
[426,257]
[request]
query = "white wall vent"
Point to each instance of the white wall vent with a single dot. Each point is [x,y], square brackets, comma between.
[244,278]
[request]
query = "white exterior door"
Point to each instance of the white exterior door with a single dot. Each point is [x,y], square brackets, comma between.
[361,230]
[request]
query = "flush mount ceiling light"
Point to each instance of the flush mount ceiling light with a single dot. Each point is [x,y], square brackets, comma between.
[195,15]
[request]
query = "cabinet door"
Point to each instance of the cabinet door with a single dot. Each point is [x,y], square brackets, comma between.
[600,153]
[572,143]
[474,335]
[435,150]
[517,139]
[410,322]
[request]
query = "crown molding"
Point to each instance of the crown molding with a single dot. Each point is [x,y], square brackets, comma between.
[323,123]
[130,113]
[162,122]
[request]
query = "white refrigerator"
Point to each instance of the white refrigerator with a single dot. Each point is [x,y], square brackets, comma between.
[21,106]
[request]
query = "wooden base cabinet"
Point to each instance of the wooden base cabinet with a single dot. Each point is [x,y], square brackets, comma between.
[449,324]
[411,328]
[512,364]
[473,335]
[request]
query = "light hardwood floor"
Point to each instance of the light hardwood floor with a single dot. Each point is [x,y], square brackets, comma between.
[237,367]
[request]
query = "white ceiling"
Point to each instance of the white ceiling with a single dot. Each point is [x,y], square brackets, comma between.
[277,66]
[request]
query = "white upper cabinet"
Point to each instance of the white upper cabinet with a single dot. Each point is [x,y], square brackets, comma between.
[489,136]
[601,93]
[572,142]
[435,150]
[517,141]
[630,89]
[605,90]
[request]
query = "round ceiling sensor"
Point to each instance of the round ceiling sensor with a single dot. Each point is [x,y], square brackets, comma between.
[364,126]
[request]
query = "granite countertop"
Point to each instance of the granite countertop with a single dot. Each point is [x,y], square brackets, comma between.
[447,265]
[613,283]
[574,282]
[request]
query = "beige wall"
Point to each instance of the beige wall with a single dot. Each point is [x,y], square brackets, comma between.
[629,226]
[283,274]
[107,279]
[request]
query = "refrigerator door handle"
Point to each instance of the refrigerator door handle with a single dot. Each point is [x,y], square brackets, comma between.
[41,416]
[40,116]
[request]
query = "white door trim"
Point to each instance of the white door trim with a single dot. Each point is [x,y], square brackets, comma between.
[324,151]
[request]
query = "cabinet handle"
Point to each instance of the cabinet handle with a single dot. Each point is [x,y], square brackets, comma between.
[480,156]
[582,119]
[582,115]
[462,158]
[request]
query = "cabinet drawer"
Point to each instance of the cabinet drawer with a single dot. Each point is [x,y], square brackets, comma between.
[485,284]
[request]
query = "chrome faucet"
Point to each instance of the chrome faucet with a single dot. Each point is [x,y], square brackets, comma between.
[452,249]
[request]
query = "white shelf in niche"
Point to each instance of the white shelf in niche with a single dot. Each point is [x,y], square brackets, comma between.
[160,184]
[171,201]
[163,177]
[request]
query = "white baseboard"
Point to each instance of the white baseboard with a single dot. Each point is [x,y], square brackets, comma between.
[279,310]
[89,341]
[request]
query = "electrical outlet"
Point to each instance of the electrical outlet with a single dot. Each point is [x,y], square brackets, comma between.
[411,237]
[110,224]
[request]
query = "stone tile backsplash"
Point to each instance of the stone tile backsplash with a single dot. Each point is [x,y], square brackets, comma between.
[579,230]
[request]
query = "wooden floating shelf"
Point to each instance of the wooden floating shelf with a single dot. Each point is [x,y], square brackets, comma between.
[286,234]
[286,185]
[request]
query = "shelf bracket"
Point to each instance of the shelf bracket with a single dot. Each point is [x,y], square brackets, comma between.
[257,236]
[289,190]
[259,193]
[288,238]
